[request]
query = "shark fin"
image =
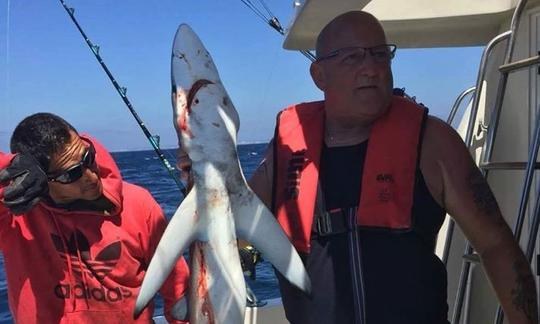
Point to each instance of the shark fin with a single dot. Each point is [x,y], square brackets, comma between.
[176,238]
[256,224]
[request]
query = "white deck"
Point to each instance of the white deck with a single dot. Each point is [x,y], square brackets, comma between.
[271,313]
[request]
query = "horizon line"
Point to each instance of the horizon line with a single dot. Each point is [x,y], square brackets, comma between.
[175,147]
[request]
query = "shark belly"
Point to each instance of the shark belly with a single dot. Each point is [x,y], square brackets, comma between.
[217,291]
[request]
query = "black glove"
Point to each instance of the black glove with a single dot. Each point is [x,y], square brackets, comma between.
[27,183]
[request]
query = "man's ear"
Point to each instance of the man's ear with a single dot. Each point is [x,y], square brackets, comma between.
[317,74]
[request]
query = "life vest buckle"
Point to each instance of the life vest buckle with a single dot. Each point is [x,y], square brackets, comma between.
[331,222]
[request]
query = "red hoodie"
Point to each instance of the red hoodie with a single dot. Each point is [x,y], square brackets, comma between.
[85,266]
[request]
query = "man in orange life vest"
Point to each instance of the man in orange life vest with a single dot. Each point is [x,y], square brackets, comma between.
[76,239]
[361,182]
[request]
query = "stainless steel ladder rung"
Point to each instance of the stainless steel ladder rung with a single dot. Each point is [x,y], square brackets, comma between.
[472,258]
[521,64]
[507,165]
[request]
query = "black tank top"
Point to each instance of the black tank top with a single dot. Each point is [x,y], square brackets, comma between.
[404,281]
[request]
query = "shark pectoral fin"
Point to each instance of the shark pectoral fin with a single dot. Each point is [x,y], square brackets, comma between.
[180,309]
[176,238]
[255,223]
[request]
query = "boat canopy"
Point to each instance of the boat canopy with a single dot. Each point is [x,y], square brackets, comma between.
[409,24]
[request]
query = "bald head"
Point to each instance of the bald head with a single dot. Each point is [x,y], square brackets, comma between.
[357,87]
[360,23]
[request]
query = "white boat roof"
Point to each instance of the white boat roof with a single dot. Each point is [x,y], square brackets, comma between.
[409,23]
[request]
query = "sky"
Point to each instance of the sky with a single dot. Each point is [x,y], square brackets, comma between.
[45,65]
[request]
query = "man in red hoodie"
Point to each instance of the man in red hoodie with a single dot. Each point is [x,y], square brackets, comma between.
[76,239]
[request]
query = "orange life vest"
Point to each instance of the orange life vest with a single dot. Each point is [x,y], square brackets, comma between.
[388,177]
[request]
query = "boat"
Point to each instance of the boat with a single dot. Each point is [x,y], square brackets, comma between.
[499,124]
[458,23]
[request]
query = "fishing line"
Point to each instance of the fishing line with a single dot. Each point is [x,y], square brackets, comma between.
[8,32]
[266,7]
[255,10]
[122,92]
[273,22]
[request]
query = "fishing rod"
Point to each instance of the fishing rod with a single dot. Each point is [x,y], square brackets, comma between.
[122,92]
[273,22]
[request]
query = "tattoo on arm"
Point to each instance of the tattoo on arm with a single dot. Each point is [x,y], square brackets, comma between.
[482,195]
[524,292]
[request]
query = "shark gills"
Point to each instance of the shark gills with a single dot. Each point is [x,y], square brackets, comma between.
[220,205]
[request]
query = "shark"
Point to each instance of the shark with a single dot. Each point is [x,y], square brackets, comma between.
[220,207]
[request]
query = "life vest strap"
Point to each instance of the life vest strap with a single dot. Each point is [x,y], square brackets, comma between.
[332,222]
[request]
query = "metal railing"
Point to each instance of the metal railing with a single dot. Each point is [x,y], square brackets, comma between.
[487,165]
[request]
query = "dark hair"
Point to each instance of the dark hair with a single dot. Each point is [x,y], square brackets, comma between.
[42,135]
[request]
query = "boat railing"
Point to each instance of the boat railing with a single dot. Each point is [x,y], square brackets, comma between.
[457,104]
[486,164]
[450,121]
[472,119]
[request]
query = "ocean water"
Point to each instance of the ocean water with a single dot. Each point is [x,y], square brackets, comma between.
[144,168]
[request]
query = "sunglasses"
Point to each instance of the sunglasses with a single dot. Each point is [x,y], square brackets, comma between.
[355,55]
[75,172]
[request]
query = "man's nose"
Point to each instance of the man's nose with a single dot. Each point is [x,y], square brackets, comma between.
[368,67]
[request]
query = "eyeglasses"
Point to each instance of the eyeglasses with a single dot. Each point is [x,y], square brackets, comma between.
[75,172]
[355,55]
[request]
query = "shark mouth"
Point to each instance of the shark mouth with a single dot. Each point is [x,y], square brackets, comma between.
[182,124]
[193,91]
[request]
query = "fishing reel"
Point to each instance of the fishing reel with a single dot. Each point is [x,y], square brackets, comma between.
[249,257]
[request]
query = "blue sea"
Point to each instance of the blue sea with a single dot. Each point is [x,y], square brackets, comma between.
[145,169]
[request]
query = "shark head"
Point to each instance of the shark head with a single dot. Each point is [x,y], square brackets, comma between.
[204,116]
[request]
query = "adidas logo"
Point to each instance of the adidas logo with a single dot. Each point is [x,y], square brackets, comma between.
[80,291]
[97,267]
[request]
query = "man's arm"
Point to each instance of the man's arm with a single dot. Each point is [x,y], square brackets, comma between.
[5,214]
[261,180]
[457,184]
